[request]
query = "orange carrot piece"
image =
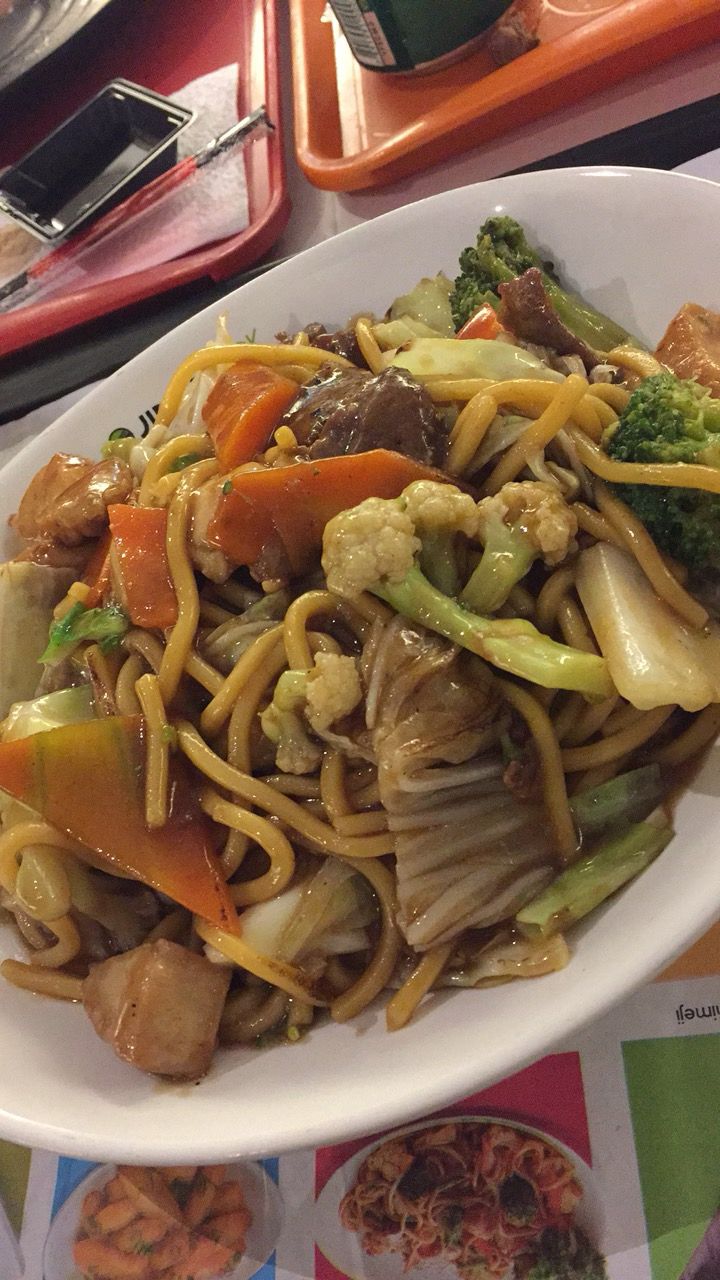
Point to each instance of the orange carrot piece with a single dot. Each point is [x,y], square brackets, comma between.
[288,507]
[140,565]
[97,572]
[484,323]
[243,408]
[88,780]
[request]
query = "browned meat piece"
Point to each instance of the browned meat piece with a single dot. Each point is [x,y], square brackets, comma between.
[350,411]
[691,346]
[67,500]
[343,342]
[159,1007]
[320,397]
[516,32]
[55,555]
[528,312]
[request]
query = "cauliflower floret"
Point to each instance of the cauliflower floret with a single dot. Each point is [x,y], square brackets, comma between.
[441,508]
[282,722]
[333,689]
[366,544]
[536,509]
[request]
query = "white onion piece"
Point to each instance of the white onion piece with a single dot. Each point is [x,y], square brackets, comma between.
[654,658]
[471,358]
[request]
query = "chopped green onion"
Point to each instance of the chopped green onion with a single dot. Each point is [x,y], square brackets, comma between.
[228,486]
[121,433]
[184,460]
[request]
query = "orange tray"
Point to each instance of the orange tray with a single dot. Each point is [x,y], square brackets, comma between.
[356,128]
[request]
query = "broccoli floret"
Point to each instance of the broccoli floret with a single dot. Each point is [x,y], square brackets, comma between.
[518,1200]
[502,253]
[667,420]
[378,546]
[567,1255]
[522,523]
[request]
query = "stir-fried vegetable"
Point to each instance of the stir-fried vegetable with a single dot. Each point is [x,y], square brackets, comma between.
[309,699]
[670,420]
[243,408]
[28,594]
[106,626]
[523,523]
[587,883]
[629,797]
[654,658]
[471,358]
[51,711]
[483,323]
[429,304]
[374,547]
[140,565]
[501,253]
[287,508]
[88,780]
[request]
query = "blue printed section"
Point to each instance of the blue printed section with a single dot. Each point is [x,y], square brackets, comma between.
[267,1271]
[70,1174]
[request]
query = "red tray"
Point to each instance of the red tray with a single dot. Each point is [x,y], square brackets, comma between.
[163,45]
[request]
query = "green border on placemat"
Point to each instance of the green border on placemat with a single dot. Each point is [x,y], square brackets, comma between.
[674,1091]
[14,1174]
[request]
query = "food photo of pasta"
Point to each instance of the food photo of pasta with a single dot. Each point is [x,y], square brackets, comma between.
[370,670]
[478,1199]
[181,1222]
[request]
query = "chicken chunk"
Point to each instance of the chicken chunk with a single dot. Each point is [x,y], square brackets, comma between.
[691,346]
[207,557]
[67,500]
[28,595]
[159,1007]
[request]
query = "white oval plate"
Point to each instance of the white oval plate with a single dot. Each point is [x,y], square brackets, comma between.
[342,1247]
[639,243]
[261,1197]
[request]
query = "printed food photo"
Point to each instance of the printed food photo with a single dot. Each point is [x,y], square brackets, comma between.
[468,1197]
[377,665]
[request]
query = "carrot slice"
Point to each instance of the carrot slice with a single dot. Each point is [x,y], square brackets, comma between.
[97,572]
[88,780]
[140,565]
[483,323]
[288,507]
[242,409]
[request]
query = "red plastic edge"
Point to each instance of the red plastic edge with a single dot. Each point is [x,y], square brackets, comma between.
[269,206]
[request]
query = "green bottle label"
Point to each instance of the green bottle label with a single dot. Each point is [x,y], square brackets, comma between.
[400,35]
